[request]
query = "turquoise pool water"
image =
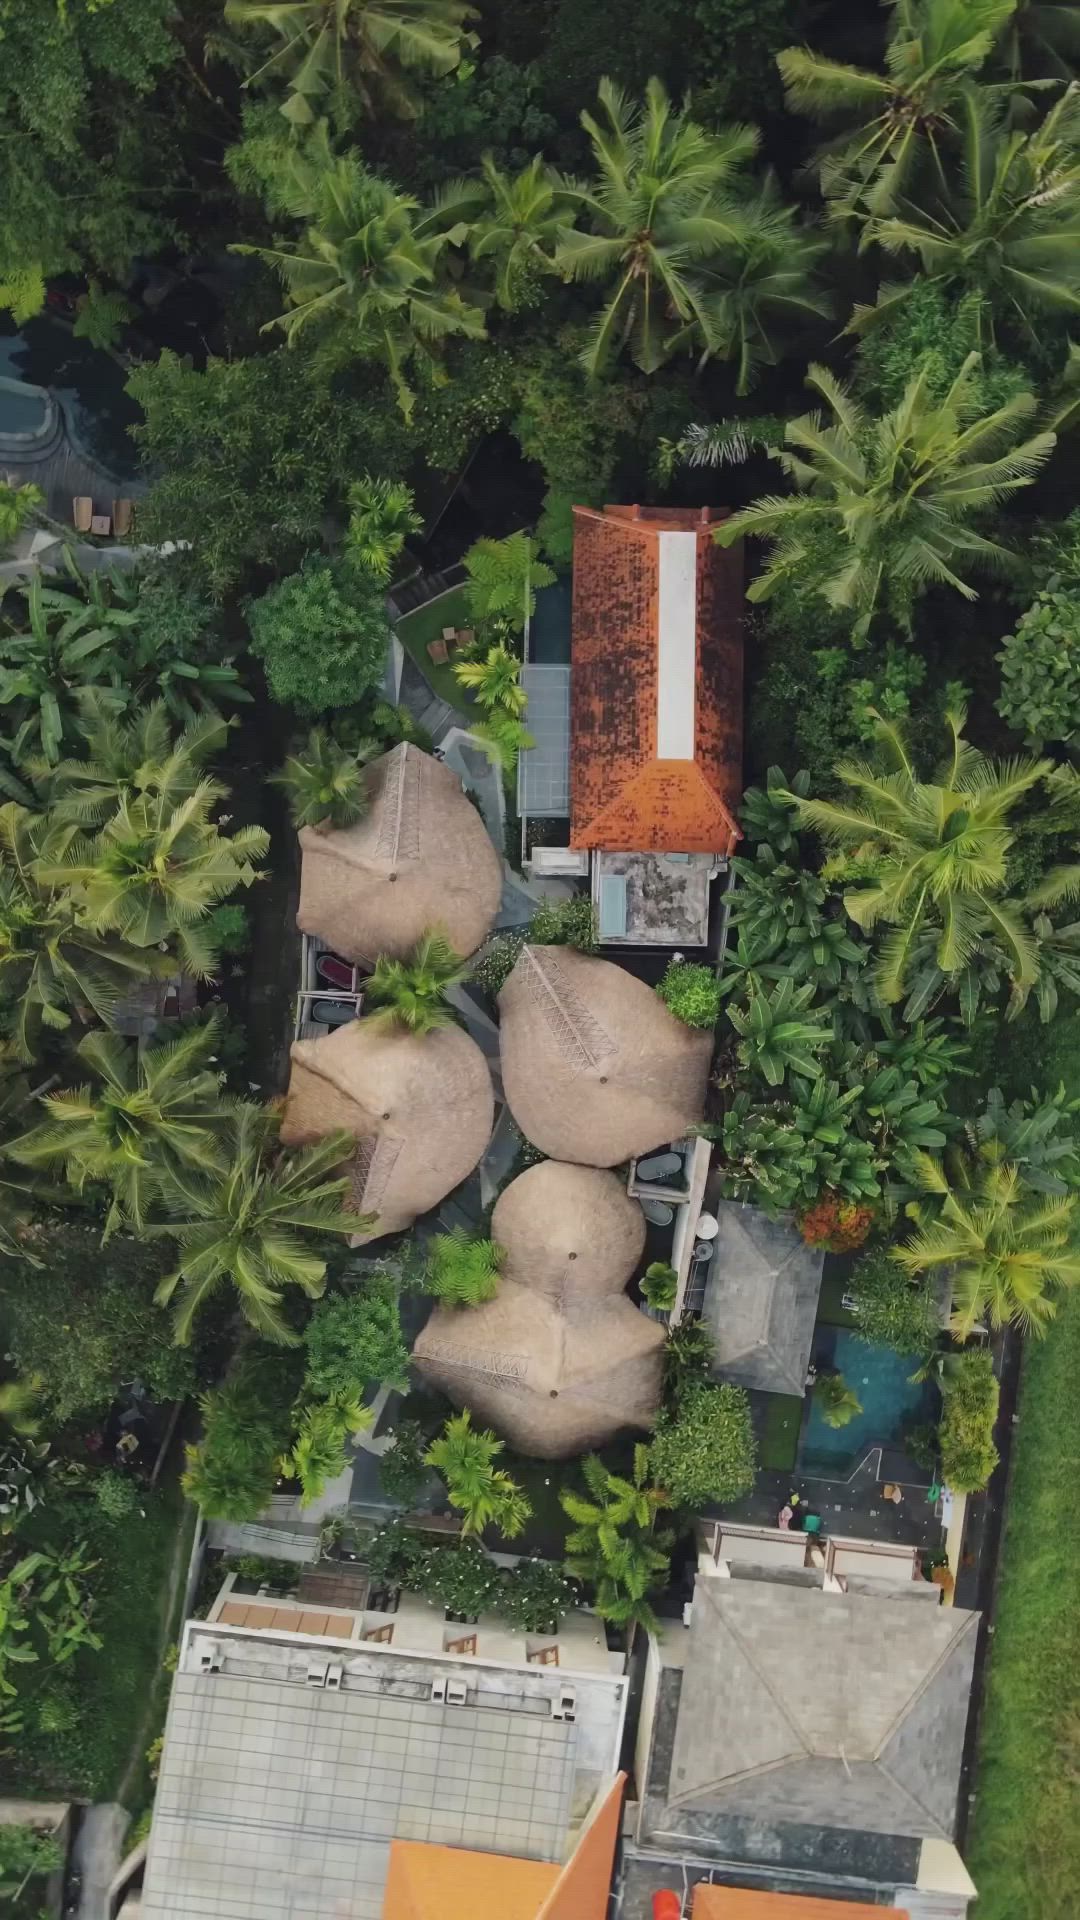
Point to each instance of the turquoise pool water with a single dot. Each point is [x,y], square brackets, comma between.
[890,1402]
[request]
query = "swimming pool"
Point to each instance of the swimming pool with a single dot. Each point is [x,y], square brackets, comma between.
[549,628]
[24,411]
[891,1402]
[89,385]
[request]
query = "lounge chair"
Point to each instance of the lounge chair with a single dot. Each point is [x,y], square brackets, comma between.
[438,653]
[123,512]
[82,512]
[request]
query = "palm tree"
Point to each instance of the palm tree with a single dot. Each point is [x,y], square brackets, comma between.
[367,267]
[1007,229]
[520,230]
[485,1494]
[353,54]
[495,680]
[47,661]
[462,1269]
[502,736]
[52,964]
[765,283]
[412,993]
[898,126]
[153,1109]
[885,507]
[319,1453]
[156,869]
[323,783]
[839,1404]
[1008,1252]
[245,1221]
[612,1544]
[661,207]
[128,756]
[1041,39]
[504,576]
[381,518]
[929,853]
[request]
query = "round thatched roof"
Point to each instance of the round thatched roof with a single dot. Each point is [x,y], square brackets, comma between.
[560,1359]
[420,858]
[594,1066]
[420,1107]
[553,1385]
[569,1232]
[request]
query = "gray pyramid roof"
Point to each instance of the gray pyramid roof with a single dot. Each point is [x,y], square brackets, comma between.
[761,1300]
[831,1709]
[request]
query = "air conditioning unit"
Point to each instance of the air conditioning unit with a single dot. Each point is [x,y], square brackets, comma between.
[316,1673]
[335,1673]
[456,1693]
[210,1658]
[565,1706]
[438,1691]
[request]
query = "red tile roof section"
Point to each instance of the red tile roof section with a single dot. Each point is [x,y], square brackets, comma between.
[622,798]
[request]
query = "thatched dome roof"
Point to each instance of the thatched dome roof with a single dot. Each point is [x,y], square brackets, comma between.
[551,1387]
[420,858]
[594,1066]
[569,1232]
[420,1107]
[560,1359]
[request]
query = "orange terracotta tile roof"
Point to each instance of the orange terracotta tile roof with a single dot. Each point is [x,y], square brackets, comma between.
[739,1903]
[428,1882]
[628,796]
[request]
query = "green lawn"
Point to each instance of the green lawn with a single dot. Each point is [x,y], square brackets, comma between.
[834,1285]
[1024,1844]
[778,1437]
[112,1689]
[416,629]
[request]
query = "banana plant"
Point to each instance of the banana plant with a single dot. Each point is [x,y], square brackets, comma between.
[780,1030]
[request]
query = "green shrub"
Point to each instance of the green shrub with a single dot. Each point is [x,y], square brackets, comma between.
[247,1424]
[704,1447]
[659,1286]
[116,1495]
[688,1356]
[322,637]
[891,1310]
[58,1707]
[228,929]
[534,1594]
[463,1578]
[966,1434]
[354,1338]
[396,1556]
[565,923]
[492,968]
[691,992]
[1040,669]
[403,1473]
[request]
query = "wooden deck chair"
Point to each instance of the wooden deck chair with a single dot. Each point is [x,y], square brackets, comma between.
[437,652]
[82,512]
[123,512]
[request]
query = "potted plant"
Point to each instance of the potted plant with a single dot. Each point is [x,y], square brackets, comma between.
[660,1285]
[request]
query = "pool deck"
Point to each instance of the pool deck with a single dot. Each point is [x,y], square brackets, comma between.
[855,1506]
[65,473]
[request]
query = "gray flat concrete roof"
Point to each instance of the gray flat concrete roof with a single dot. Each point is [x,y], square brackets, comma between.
[278,1798]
